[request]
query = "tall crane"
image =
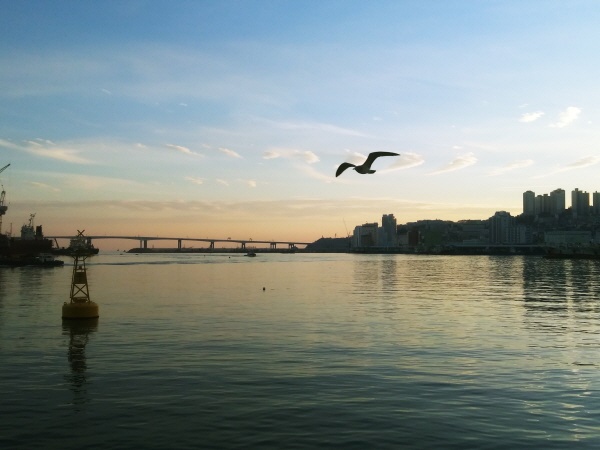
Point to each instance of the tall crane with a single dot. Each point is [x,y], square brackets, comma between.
[3,207]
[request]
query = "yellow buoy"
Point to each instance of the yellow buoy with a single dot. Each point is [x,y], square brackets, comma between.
[87,310]
[80,306]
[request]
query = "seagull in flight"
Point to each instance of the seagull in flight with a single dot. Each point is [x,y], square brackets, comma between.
[366,166]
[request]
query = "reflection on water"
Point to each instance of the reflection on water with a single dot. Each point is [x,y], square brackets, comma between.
[339,351]
[78,332]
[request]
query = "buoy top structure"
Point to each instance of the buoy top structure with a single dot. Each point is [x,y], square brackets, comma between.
[80,305]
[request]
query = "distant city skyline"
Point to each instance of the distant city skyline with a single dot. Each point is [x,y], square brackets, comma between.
[230,118]
[555,202]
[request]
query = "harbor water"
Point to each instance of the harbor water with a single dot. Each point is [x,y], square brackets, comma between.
[304,351]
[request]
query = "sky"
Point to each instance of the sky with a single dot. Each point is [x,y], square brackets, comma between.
[229,118]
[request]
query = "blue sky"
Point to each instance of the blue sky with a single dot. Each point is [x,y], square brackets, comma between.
[229,118]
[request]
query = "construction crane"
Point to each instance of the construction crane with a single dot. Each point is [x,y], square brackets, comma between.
[3,207]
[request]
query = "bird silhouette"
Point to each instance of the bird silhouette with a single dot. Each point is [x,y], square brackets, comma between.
[365,167]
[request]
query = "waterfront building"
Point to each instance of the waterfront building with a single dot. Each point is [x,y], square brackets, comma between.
[499,226]
[365,235]
[388,231]
[504,230]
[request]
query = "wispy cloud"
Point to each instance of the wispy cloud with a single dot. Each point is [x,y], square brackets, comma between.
[583,162]
[579,164]
[223,182]
[48,149]
[195,180]
[311,172]
[229,152]
[300,155]
[182,149]
[406,160]
[531,117]
[566,117]
[44,186]
[460,162]
[314,126]
[512,166]
[249,183]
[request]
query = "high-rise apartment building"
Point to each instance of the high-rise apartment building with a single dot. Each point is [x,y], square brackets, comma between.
[557,202]
[596,202]
[388,225]
[529,203]
[500,223]
[580,203]
[544,204]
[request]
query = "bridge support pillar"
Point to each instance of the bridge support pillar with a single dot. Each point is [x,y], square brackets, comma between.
[243,245]
[145,243]
[212,245]
[178,244]
[273,245]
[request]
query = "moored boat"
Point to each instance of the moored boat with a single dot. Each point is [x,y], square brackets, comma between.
[30,244]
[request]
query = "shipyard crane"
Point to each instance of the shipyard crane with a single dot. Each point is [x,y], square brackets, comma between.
[3,207]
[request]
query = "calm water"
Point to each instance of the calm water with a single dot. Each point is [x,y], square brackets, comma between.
[339,351]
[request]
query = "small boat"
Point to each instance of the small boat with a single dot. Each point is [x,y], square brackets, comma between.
[79,245]
[251,254]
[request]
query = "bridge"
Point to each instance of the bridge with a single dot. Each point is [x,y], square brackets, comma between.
[143,240]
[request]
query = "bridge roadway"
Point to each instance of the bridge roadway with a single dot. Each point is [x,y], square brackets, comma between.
[143,240]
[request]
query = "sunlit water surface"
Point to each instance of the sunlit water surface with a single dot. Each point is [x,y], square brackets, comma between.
[338,351]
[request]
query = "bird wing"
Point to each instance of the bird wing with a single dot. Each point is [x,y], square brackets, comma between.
[343,167]
[373,156]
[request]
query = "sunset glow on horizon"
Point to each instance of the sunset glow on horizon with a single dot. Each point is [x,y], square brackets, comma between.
[217,119]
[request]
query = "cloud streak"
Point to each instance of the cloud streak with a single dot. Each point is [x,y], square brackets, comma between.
[315,126]
[466,160]
[48,149]
[194,180]
[579,164]
[229,152]
[299,155]
[182,149]
[531,117]
[406,160]
[512,166]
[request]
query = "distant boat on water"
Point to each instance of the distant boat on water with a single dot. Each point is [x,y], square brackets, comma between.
[79,245]
[251,254]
